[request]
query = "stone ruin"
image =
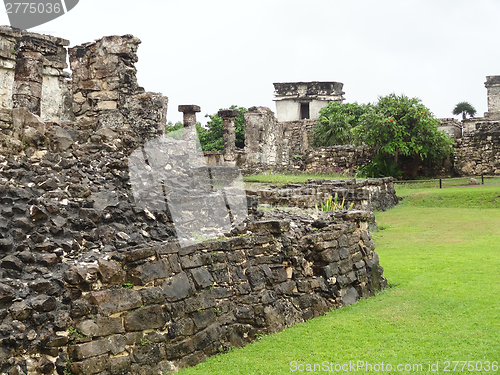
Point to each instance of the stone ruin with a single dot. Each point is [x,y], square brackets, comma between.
[94,277]
[478,151]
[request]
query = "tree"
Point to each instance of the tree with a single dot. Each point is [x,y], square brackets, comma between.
[335,124]
[211,137]
[401,131]
[404,131]
[465,109]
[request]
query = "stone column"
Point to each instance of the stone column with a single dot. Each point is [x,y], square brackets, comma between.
[28,78]
[229,132]
[189,112]
[189,121]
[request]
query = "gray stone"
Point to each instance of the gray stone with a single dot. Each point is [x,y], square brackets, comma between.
[116,300]
[148,317]
[177,287]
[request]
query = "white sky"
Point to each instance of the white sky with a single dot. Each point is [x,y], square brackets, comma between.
[220,52]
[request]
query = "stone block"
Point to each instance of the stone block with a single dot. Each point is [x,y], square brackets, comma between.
[12,262]
[150,271]
[43,303]
[330,255]
[90,366]
[148,317]
[20,311]
[177,287]
[111,272]
[113,345]
[100,326]
[204,317]
[152,295]
[179,350]
[115,300]
[148,354]
[184,327]
[202,278]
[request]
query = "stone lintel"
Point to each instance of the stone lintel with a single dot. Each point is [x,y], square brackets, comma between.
[189,108]
[492,81]
[31,43]
[228,113]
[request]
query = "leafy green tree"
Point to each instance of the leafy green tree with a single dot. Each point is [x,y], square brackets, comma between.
[404,131]
[335,124]
[401,131]
[465,109]
[211,137]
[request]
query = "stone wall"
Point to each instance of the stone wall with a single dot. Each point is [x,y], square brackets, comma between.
[478,152]
[55,90]
[345,158]
[91,283]
[370,194]
[105,89]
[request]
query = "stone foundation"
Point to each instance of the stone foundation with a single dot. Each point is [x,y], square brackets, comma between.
[371,194]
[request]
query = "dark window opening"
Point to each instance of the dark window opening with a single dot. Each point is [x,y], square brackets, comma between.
[304,111]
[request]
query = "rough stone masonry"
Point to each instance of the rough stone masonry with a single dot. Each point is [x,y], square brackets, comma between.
[93,283]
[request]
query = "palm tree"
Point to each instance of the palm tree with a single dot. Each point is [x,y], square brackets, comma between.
[465,109]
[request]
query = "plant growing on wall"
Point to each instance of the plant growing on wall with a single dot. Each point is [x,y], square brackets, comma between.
[336,123]
[401,131]
[464,108]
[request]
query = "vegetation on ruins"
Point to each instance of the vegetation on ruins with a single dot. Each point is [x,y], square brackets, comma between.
[336,123]
[401,131]
[211,136]
[427,316]
[464,108]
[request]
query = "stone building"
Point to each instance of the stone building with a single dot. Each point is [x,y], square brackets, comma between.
[303,100]
[43,84]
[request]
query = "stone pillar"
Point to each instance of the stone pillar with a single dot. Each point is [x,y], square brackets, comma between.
[190,135]
[189,112]
[229,132]
[28,78]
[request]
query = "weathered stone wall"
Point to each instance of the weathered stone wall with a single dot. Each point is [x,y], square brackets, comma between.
[297,138]
[105,89]
[55,94]
[345,158]
[478,152]
[90,283]
[263,139]
[452,127]
[370,194]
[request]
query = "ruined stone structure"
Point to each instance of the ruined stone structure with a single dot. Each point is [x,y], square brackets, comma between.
[370,194]
[32,74]
[94,282]
[478,152]
[303,100]
[452,127]
[106,94]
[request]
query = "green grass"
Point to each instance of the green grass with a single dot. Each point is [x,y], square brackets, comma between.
[292,178]
[443,265]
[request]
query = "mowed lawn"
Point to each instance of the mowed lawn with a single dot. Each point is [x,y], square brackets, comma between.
[443,265]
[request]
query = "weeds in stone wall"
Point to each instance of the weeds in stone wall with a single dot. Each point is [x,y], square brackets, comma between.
[333,204]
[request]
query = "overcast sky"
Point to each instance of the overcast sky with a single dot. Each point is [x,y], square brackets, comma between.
[218,53]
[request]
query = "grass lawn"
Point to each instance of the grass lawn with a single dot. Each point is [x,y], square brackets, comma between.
[441,253]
